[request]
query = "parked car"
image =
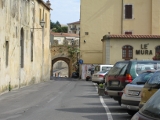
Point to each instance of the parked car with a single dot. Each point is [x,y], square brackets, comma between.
[99,68]
[132,92]
[99,77]
[150,88]
[123,72]
[75,75]
[150,110]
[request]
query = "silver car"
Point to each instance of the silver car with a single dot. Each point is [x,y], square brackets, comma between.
[99,77]
[132,92]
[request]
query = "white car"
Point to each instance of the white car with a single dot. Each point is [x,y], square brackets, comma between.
[99,77]
[132,92]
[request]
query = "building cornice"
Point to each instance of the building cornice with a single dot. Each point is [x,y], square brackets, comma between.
[41,1]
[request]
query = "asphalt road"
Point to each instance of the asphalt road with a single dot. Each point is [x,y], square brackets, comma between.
[60,99]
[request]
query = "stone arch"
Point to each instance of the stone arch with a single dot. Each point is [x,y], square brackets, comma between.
[65,59]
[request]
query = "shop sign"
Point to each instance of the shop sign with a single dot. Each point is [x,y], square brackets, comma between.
[144,50]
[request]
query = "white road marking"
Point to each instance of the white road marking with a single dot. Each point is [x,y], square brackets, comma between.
[54,97]
[108,113]
[58,94]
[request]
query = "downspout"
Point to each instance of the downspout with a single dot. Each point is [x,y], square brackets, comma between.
[122,19]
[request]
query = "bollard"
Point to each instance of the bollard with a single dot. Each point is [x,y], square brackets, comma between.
[9,86]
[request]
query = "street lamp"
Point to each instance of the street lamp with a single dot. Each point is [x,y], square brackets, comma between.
[42,23]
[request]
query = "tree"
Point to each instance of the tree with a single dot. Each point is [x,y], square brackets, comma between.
[56,27]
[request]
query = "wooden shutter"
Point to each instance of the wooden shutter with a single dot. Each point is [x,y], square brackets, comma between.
[128,11]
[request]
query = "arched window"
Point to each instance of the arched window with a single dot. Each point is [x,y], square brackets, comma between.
[22,47]
[127,52]
[157,49]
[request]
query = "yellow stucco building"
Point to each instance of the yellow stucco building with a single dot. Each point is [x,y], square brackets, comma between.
[25,56]
[110,27]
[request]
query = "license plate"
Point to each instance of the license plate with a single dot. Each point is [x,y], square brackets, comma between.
[114,82]
[134,93]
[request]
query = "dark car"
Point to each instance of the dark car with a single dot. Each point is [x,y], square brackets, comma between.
[123,72]
[75,75]
[150,110]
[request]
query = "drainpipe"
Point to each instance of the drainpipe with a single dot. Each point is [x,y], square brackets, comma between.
[122,18]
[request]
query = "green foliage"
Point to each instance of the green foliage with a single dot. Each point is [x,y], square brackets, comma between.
[101,85]
[72,51]
[56,27]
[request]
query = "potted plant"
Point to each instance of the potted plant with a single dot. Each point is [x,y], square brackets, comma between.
[101,89]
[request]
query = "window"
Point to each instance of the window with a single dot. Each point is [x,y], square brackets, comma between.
[22,47]
[86,33]
[157,49]
[128,32]
[45,20]
[128,11]
[7,52]
[31,46]
[127,52]
[40,17]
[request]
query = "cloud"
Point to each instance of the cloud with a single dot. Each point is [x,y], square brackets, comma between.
[65,11]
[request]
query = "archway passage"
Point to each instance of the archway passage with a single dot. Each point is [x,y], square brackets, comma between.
[68,62]
[60,69]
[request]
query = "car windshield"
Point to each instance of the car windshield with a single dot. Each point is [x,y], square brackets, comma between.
[152,107]
[119,68]
[155,79]
[143,77]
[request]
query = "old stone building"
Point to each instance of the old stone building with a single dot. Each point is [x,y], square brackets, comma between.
[24,43]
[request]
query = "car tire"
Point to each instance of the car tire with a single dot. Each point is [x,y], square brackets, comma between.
[131,112]
[119,102]
[87,79]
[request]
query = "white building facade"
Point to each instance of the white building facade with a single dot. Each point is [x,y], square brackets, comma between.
[74,27]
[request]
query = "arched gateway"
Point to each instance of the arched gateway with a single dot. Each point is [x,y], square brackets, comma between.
[65,59]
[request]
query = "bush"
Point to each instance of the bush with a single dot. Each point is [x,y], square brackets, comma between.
[101,85]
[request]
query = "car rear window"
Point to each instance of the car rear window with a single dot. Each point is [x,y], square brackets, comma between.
[138,67]
[143,77]
[104,68]
[155,79]
[119,68]
[152,107]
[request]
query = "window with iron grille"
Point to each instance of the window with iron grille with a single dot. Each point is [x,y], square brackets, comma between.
[128,11]
[7,52]
[31,46]
[127,52]
[22,47]
[157,49]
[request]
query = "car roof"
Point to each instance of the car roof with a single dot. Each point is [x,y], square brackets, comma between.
[140,61]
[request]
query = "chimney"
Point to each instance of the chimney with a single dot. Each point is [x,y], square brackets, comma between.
[48,3]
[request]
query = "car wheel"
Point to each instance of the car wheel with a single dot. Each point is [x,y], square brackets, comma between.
[119,102]
[87,79]
[131,112]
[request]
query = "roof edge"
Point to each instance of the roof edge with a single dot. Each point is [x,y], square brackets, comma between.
[130,37]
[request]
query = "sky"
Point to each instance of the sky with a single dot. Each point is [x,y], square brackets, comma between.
[65,11]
